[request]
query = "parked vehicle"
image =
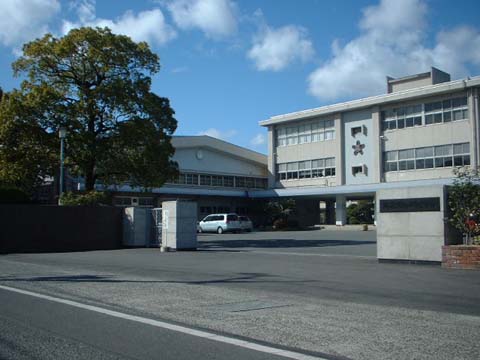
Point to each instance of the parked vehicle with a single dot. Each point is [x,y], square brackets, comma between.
[220,223]
[245,223]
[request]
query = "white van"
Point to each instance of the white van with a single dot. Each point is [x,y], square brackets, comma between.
[220,223]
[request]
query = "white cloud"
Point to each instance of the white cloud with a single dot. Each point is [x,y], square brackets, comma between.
[392,42]
[24,20]
[219,134]
[149,25]
[258,140]
[216,18]
[274,49]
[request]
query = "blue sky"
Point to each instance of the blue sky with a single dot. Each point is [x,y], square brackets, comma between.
[228,64]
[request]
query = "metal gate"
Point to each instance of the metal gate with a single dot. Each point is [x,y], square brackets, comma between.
[156,227]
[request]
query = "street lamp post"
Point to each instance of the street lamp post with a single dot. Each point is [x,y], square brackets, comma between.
[62,133]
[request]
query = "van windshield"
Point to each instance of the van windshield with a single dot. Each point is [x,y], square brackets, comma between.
[232,217]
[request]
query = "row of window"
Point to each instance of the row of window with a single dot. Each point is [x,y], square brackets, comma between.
[221,181]
[436,112]
[240,210]
[133,201]
[320,130]
[427,157]
[306,169]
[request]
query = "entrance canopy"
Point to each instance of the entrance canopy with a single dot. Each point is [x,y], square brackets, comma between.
[350,190]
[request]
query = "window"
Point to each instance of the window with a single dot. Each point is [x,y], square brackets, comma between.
[436,112]
[358,170]
[239,181]
[292,136]
[191,179]
[228,181]
[145,201]
[304,134]
[356,130]
[306,169]
[428,157]
[292,170]
[281,137]
[319,130]
[446,111]
[217,180]
[330,135]
[250,182]
[281,171]
[205,180]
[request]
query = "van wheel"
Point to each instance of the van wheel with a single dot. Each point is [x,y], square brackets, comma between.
[219,230]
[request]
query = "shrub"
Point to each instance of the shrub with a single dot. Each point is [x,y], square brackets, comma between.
[280,224]
[464,203]
[360,213]
[90,198]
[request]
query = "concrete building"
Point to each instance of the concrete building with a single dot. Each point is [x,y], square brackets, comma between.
[216,174]
[411,137]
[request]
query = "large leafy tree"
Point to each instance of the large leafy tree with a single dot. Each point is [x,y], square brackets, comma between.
[28,153]
[464,203]
[98,86]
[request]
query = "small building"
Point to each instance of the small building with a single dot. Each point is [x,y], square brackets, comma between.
[216,174]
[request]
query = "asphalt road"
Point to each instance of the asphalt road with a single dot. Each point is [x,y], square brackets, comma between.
[32,328]
[318,291]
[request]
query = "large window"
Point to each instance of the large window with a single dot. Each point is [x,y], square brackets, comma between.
[402,117]
[446,111]
[319,130]
[427,157]
[221,181]
[306,169]
[436,112]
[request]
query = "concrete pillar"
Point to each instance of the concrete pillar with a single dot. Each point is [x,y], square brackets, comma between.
[340,210]
[472,116]
[377,172]
[272,157]
[340,150]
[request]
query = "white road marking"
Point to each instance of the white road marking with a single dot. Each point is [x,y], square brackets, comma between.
[165,325]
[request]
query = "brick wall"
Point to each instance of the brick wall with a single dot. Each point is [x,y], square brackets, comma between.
[461,257]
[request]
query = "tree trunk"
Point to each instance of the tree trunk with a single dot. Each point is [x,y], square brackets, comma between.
[90,177]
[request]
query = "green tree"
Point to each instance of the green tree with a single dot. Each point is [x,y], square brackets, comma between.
[27,152]
[360,213]
[464,203]
[280,210]
[97,85]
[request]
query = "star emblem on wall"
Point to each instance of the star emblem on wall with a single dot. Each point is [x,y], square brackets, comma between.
[358,148]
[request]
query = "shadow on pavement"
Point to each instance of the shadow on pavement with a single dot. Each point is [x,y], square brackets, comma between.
[278,243]
[240,278]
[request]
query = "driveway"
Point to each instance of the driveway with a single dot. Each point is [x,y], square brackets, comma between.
[318,292]
[314,242]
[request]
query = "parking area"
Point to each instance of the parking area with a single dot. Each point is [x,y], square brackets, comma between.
[322,291]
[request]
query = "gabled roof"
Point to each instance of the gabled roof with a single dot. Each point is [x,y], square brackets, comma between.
[205,141]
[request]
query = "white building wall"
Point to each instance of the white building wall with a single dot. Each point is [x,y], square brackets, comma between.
[209,161]
[359,119]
